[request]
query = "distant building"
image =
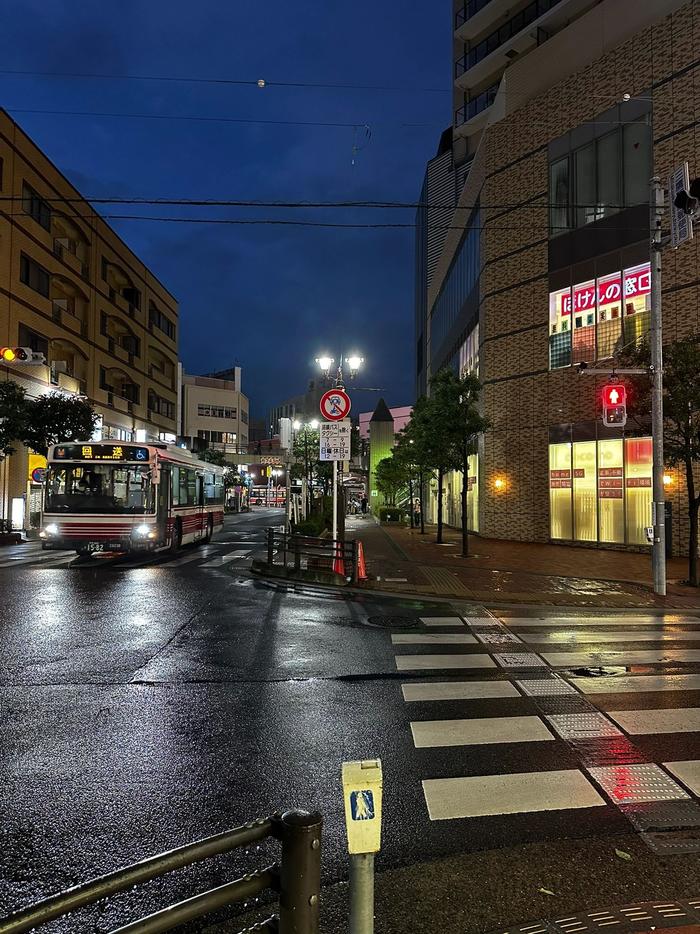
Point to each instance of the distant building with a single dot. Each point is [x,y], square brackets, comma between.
[381,442]
[303,406]
[401,415]
[214,412]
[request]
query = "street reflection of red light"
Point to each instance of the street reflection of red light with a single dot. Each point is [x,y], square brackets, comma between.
[622,782]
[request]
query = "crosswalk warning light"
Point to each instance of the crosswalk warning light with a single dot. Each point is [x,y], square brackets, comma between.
[614,405]
[21,355]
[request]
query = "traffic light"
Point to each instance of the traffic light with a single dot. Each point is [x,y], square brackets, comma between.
[614,406]
[687,201]
[21,356]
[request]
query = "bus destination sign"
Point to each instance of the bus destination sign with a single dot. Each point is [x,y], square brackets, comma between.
[99,452]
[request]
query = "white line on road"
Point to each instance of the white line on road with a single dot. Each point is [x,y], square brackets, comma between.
[428,734]
[441,621]
[224,559]
[484,795]
[566,622]
[422,662]
[637,683]
[443,638]
[671,720]
[457,690]
[607,657]
[688,772]
[565,638]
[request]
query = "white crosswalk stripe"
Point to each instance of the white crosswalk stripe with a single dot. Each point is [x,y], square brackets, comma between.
[515,707]
[222,560]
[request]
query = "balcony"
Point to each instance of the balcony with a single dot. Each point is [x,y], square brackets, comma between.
[476,105]
[503,35]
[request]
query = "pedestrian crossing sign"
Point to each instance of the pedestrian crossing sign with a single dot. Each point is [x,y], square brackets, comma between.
[362,797]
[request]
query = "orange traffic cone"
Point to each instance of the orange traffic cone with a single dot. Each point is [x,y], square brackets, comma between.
[338,561]
[361,569]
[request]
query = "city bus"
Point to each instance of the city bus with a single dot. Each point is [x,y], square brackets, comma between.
[110,498]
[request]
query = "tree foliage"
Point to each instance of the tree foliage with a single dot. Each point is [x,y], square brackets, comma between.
[391,476]
[211,456]
[44,421]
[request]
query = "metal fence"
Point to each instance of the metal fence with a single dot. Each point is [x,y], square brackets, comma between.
[297,878]
[304,552]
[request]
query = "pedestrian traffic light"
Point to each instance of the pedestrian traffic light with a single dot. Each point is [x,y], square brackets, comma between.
[614,405]
[687,201]
[21,356]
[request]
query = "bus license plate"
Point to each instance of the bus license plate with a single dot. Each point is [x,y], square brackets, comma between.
[95,546]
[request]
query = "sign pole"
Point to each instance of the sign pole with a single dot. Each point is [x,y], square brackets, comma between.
[658,554]
[335,500]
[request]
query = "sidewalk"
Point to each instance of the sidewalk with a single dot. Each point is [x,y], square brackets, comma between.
[402,560]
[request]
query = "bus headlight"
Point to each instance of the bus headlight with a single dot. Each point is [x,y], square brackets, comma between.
[49,530]
[141,531]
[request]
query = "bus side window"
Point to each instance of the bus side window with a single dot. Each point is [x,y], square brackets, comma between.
[176,486]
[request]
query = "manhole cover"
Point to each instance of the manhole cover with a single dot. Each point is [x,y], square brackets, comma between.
[391,622]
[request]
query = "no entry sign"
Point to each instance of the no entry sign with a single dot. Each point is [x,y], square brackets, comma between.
[335,405]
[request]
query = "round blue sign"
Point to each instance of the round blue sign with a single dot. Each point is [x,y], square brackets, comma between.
[38,474]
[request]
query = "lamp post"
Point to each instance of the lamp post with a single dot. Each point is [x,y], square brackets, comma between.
[353,362]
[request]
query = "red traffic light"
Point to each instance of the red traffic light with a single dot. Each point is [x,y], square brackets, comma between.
[614,395]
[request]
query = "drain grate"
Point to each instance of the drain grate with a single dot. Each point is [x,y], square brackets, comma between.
[629,784]
[496,637]
[545,687]
[573,726]
[631,918]
[520,660]
[391,622]
[673,841]
[662,815]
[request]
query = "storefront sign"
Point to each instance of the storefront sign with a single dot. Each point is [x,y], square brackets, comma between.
[609,289]
[638,481]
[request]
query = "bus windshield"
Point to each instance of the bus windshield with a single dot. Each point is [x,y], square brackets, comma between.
[99,488]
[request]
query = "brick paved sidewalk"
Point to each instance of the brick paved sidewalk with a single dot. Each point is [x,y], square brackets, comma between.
[403,560]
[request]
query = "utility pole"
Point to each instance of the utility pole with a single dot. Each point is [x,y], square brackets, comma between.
[658,555]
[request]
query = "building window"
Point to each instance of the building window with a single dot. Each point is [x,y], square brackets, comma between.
[601,178]
[29,338]
[216,411]
[593,320]
[157,319]
[600,491]
[34,275]
[469,354]
[160,406]
[34,205]
[460,281]
[244,416]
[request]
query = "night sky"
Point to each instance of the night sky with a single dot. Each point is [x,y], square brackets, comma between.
[267,297]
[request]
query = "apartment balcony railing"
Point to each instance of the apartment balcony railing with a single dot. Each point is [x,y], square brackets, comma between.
[468,10]
[500,36]
[475,106]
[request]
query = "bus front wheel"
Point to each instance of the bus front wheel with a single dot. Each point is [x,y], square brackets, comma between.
[176,538]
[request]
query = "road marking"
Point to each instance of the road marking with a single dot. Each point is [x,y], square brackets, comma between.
[176,562]
[428,734]
[671,720]
[220,560]
[580,659]
[421,662]
[60,561]
[443,638]
[441,621]
[491,795]
[688,772]
[637,683]
[635,784]
[645,636]
[457,690]
[37,558]
[564,622]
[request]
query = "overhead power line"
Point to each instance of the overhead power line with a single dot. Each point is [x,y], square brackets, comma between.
[239,82]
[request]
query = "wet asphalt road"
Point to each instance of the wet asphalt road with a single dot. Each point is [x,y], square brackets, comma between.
[147,706]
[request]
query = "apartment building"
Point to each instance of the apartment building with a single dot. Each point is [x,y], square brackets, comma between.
[563,111]
[71,289]
[215,411]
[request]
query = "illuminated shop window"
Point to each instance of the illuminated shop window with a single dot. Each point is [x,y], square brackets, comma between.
[593,320]
[584,485]
[638,488]
[611,508]
[560,491]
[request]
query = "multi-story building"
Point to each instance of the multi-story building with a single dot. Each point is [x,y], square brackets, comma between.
[71,289]
[569,108]
[215,411]
[303,406]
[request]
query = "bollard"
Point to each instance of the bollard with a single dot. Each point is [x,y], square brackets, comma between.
[270,547]
[300,872]
[362,797]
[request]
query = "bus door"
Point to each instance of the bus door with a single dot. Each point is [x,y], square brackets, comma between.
[163,503]
[200,502]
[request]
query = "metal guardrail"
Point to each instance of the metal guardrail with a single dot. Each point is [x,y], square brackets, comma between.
[297,878]
[305,552]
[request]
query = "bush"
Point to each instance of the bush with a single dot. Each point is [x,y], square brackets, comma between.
[313,526]
[391,514]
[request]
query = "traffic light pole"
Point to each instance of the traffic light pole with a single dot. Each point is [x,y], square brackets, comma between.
[658,555]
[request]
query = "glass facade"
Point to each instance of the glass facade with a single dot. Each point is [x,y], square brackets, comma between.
[600,491]
[593,320]
[460,281]
[453,496]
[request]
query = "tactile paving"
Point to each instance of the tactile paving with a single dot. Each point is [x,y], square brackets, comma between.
[609,751]
[496,637]
[520,660]
[673,841]
[636,783]
[662,815]
[564,703]
[574,726]
[545,687]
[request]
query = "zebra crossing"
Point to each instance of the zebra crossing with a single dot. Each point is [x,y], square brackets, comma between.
[206,557]
[598,724]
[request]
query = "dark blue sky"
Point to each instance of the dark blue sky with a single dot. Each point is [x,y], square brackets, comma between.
[267,297]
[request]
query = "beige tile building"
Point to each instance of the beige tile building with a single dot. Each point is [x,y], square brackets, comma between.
[550,265]
[215,411]
[71,289]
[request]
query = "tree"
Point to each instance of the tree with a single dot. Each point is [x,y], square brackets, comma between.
[391,477]
[681,375]
[53,418]
[416,436]
[12,416]
[437,432]
[218,458]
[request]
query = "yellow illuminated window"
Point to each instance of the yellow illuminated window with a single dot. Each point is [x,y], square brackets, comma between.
[638,488]
[585,500]
[560,525]
[611,505]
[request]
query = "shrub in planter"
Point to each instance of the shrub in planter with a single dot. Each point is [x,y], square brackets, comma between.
[391,514]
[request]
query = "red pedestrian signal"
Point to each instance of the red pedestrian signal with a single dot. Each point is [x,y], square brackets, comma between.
[614,406]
